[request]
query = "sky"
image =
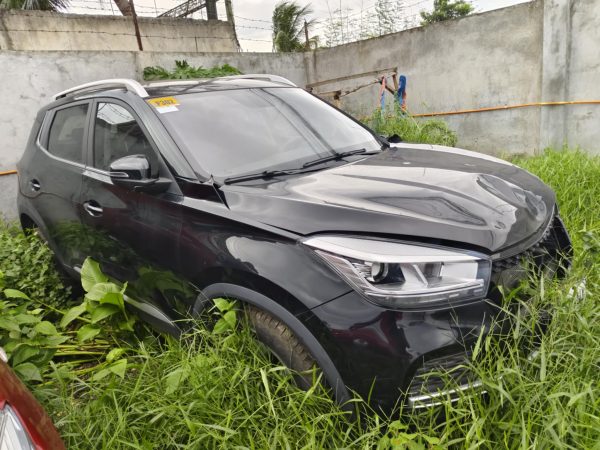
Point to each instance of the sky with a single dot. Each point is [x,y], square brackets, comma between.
[253,17]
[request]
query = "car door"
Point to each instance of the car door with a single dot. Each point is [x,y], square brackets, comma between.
[133,235]
[52,179]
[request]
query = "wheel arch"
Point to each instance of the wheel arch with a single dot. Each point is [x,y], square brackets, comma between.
[27,223]
[302,332]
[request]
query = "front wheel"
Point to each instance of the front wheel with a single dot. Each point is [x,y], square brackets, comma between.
[284,345]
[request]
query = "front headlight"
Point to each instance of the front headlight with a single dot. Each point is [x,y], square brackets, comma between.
[402,275]
[12,433]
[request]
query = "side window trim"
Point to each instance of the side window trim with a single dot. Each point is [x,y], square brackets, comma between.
[44,134]
[89,161]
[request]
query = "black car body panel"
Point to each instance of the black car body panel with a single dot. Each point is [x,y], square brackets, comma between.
[418,191]
[199,239]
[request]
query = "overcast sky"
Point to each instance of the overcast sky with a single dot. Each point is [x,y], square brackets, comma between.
[253,17]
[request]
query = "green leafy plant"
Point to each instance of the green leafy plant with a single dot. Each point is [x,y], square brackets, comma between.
[28,265]
[32,340]
[103,300]
[399,437]
[183,71]
[226,310]
[29,340]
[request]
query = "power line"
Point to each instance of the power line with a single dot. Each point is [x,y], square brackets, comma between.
[253,28]
[253,20]
[256,40]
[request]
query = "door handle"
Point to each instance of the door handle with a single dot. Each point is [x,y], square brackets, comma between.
[93,208]
[35,184]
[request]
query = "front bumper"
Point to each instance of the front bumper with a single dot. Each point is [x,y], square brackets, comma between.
[378,352]
[389,356]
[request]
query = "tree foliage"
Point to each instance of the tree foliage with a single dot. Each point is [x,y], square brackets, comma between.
[41,5]
[446,10]
[288,26]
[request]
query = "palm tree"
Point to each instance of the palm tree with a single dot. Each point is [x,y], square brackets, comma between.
[288,26]
[42,5]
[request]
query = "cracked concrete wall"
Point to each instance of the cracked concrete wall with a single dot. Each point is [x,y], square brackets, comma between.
[42,30]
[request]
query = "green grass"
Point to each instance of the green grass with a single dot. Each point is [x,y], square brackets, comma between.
[222,391]
[393,121]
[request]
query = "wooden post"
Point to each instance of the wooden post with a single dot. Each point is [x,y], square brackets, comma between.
[135,25]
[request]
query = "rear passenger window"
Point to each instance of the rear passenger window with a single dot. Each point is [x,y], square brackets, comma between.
[117,134]
[65,139]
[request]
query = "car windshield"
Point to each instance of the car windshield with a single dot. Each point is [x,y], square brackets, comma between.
[243,131]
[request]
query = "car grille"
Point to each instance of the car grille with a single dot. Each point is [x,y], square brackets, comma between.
[439,379]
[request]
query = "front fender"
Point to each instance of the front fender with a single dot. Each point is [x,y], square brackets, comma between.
[301,331]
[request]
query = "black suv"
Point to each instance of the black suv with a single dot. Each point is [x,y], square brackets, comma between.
[375,262]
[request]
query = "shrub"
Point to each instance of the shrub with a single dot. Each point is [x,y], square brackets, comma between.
[397,122]
[184,71]
[28,265]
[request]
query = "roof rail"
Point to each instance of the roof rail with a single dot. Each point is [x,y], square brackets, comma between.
[264,76]
[130,85]
[256,76]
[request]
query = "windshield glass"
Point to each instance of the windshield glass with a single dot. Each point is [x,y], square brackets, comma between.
[243,131]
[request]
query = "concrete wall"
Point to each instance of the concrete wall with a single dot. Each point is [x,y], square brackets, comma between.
[571,71]
[542,51]
[40,30]
[484,60]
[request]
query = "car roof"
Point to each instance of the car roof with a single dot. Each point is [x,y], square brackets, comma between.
[115,87]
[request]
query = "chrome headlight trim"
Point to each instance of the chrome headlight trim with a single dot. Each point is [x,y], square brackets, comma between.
[420,275]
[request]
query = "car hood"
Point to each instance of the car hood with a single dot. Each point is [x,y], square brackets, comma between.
[409,190]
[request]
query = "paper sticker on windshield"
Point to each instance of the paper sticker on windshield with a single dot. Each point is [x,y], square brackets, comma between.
[164,104]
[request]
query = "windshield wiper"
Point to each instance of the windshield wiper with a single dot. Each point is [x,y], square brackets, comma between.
[274,173]
[263,174]
[336,156]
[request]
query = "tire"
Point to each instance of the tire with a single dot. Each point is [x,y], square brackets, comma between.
[284,345]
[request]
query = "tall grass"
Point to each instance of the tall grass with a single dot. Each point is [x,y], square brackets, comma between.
[222,391]
[551,398]
[231,396]
[394,121]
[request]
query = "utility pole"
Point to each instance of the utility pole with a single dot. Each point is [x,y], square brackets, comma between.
[307,45]
[124,6]
[135,25]
[231,20]
[211,10]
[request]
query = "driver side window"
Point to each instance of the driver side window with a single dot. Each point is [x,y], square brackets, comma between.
[118,134]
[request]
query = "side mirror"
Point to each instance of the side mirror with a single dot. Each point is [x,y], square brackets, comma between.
[133,173]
